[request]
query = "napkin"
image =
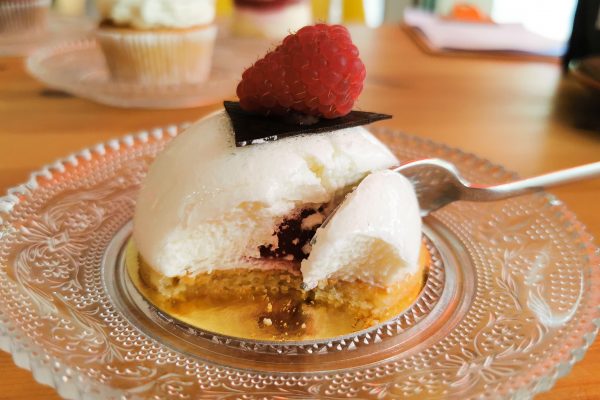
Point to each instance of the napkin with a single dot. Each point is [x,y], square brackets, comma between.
[444,34]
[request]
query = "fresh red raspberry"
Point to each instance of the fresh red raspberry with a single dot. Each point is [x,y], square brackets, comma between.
[315,71]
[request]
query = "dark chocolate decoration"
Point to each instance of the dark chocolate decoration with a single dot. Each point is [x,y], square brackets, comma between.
[255,129]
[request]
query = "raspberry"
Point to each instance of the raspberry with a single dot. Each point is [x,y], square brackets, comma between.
[315,71]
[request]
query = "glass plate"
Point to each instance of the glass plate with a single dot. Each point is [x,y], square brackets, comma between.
[79,67]
[510,305]
[59,28]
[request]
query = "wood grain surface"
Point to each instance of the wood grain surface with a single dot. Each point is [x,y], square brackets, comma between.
[524,115]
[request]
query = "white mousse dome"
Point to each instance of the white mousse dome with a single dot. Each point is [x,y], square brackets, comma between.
[374,236]
[207,204]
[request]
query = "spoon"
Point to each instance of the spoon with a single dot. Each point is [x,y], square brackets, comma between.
[438,183]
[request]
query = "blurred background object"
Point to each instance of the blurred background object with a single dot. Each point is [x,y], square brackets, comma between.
[551,19]
[587,72]
[26,25]
[371,12]
[585,39]
[70,7]
[269,19]
[224,8]
[444,7]
[582,58]
[20,18]
[525,28]
[160,42]
[468,13]
[473,33]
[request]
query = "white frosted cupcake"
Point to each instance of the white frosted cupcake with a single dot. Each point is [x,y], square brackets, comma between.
[23,17]
[272,19]
[159,42]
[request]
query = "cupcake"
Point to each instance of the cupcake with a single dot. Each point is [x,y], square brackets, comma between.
[23,17]
[272,19]
[158,42]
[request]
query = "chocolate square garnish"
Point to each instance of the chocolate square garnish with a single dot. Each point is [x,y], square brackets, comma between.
[254,129]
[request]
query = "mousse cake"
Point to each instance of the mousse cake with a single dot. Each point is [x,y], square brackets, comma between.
[232,209]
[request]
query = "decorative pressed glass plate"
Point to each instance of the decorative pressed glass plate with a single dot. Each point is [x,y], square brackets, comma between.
[59,28]
[510,304]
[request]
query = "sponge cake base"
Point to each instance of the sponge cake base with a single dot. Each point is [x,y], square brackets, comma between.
[267,302]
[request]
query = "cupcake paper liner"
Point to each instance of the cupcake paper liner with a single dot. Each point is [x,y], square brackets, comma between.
[23,16]
[165,57]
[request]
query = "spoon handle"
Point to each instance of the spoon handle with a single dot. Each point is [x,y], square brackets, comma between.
[534,184]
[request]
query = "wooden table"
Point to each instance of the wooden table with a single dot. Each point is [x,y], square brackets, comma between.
[524,115]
